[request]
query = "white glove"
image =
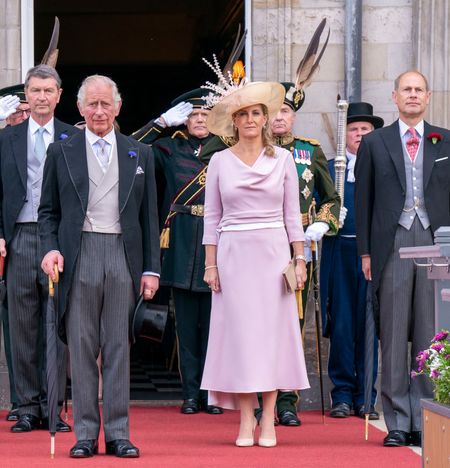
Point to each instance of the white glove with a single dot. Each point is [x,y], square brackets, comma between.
[316,231]
[8,105]
[308,253]
[177,115]
[342,215]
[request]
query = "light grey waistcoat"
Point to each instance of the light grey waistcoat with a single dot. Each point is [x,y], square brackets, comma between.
[102,214]
[35,170]
[414,191]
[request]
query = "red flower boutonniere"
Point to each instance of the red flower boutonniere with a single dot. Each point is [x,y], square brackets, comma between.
[434,137]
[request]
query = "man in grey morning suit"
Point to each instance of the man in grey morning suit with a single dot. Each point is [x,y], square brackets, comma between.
[98,222]
[22,154]
[401,197]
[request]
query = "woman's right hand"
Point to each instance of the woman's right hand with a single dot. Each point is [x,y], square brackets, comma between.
[212,279]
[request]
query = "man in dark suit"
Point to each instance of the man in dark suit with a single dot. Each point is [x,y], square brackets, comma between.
[402,196]
[22,154]
[98,222]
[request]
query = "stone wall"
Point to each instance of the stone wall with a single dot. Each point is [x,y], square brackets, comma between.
[282,30]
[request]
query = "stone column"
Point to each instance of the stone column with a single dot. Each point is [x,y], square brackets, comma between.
[9,42]
[431,55]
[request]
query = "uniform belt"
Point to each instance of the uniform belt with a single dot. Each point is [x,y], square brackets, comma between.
[194,210]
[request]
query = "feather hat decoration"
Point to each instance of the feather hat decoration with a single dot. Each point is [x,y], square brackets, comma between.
[307,67]
[51,54]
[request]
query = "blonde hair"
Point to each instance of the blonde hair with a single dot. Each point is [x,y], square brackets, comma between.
[266,134]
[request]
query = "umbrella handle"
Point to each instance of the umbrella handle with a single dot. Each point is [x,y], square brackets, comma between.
[51,286]
[2,266]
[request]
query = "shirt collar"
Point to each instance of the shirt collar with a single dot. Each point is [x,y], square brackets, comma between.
[34,126]
[92,138]
[404,128]
[350,155]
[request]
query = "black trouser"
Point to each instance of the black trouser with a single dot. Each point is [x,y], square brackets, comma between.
[192,314]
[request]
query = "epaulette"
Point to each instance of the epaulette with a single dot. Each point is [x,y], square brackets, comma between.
[312,141]
[229,141]
[179,134]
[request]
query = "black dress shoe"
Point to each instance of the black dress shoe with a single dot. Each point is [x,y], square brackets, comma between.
[288,418]
[373,415]
[61,426]
[26,423]
[190,406]
[212,409]
[122,448]
[84,448]
[396,439]
[415,438]
[340,410]
[13,414]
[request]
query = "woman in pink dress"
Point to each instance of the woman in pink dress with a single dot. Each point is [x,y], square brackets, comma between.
[252,217]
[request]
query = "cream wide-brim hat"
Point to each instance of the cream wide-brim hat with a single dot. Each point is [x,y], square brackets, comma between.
[219,121]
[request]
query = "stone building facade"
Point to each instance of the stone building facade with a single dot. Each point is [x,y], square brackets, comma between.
[396,35]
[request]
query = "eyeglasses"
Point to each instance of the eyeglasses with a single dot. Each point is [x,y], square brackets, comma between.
[20,112]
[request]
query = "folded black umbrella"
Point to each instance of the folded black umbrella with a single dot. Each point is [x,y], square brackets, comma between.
[52,362]
[369,349]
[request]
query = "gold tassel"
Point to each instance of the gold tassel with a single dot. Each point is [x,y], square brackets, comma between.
[164,238]
[298,298]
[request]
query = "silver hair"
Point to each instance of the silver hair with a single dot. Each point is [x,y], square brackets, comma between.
[81,96]
[42,71]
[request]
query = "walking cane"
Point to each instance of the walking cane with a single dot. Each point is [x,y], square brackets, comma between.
[315,262]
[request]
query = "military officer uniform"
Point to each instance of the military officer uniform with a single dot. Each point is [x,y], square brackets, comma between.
[182,175]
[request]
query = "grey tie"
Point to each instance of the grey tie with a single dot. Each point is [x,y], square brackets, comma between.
[39,145]
[102,153]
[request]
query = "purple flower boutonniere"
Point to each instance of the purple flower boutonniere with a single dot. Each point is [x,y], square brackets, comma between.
[132,154]
[63,136]
[434,137]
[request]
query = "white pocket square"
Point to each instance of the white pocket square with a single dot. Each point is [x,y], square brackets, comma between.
[441,159]
[139,170]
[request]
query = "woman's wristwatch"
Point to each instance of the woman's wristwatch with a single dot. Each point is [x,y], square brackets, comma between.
[300,257]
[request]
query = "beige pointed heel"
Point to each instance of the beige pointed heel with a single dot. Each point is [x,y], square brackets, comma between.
[247,442]
[267,442]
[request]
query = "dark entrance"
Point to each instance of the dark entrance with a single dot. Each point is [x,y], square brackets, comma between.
[153,50]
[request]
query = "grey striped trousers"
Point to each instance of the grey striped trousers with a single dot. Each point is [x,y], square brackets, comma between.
[27,302]
[406,314]
[100,303]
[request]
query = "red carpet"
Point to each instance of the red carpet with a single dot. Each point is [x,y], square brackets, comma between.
[169,439]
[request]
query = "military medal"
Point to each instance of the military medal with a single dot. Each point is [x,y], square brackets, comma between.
[297,158]
[306,192]
[307,175]
[197,151]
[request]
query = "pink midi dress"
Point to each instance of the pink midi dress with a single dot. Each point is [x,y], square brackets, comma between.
[252,214]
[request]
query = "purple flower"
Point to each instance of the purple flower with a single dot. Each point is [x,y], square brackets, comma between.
[63,136]
[442,335]
[132,154]
[435,374]
[447,357]
[414,374]
[437,346]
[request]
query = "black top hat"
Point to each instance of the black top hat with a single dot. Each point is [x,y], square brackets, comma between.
[294,98]
[195,97]
[15,90]
[148,321]
[363,112]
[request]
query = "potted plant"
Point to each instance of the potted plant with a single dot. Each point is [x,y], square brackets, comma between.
[435,363]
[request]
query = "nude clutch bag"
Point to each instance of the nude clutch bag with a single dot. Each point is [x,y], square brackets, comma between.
[290,280]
